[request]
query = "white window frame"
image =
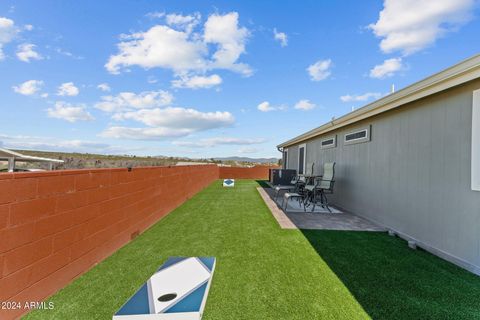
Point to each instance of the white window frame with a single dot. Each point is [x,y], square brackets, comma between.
[304,146]
[333,145]
[285,154]
[475,161]
[357,140]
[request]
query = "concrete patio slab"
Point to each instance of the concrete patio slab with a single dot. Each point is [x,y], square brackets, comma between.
[321,219]
[282,219]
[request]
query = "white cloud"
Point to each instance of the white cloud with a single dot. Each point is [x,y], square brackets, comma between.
[197,82]
[44,95]
[29,87]
[155,14]
[320,70]
[129,100]
[168,122]
[160,46]
[267,107]
[67,53]
[28,27]
[69,112]
[55,144]
[281,37]
[224,31]
[152,79]
[48,143]
[68,89]
[212,142]
[26,52]
[173,47]
[104,87]
[182,22]
[143,133]
[412,25]
[387,69]
[176,117]
[8,31]
[360,97]
[304,105]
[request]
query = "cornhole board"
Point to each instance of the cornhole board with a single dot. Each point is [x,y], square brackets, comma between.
[177,291]
[229,182]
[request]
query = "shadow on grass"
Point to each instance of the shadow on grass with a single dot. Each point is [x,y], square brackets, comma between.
[263,183]
[391,281]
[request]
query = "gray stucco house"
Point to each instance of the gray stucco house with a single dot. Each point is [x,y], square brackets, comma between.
[409,161]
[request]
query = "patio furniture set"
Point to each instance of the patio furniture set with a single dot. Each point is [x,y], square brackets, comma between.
[309,190]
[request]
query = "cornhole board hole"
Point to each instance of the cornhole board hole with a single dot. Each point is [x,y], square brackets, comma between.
[229,182]
[177,291]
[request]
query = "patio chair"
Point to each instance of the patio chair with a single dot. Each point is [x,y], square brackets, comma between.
[310,188]
[292,186]
[298,193]
[324,186]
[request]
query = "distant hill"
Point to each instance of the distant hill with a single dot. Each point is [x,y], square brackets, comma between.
[246,159]
[89,160]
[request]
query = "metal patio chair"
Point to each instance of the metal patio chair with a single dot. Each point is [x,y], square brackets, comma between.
[324,186]
[298,193]
[292,186]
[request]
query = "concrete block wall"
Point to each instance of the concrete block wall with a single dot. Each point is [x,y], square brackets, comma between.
[54,226]
[257,172]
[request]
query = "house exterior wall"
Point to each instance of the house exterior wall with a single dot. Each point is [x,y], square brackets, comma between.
[414,176]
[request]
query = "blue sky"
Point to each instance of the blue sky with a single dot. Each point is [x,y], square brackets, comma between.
[210,78]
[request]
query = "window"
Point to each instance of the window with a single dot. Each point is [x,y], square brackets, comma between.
[326,143]
[285,159]
[476,141]
[330,142]
[357,136]
[301,159]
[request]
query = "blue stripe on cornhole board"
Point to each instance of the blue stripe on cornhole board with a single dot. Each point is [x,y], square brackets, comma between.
[191,303]
[138,304]
[171,261]
[208,262]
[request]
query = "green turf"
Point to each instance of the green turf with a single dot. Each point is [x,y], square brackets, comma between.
[264,272]
[392,281]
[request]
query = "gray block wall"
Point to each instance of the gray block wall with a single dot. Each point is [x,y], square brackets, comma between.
[414,175]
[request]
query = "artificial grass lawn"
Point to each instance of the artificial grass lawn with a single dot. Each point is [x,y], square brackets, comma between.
[264,272]
[391,281]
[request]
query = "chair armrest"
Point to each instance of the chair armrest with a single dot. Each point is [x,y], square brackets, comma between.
[331,182]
